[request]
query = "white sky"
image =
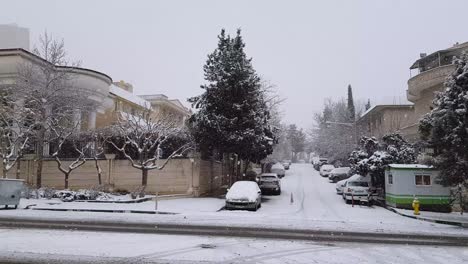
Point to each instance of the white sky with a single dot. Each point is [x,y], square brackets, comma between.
[310,49]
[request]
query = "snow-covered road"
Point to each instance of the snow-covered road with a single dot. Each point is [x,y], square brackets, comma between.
[315,206]
[51,246]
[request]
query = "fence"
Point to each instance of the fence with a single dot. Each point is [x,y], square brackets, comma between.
[180,176]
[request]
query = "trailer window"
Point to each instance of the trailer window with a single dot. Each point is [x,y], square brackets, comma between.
[423,179]
[390,178]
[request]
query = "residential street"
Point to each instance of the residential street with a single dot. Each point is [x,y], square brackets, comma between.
[315,207]
[46,246]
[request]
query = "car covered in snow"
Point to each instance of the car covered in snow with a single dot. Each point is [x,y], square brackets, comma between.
[339,174]
[269,182]
[286,165]
[326,169]
[340,186]
[278,169]
[244,195]
[357,189]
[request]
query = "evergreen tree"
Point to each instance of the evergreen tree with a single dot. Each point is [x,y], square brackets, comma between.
[351,108]
[232,115]
[368,105]
[445,128]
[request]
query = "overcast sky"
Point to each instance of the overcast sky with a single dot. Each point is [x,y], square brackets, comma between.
[310,50]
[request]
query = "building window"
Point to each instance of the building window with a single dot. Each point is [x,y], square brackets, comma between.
[390,178]
[423,180]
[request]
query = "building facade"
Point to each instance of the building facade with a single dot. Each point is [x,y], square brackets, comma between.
[431,72]
[384,119]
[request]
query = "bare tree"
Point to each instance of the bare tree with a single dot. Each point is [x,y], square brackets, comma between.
[98,139]
[14,131]
[146,135]
[46,84]
[63,130]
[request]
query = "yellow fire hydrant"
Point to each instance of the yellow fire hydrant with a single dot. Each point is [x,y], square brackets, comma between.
[416,206]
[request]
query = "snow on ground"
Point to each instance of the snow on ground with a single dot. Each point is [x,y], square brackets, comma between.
[315,206]
[138,248]
[454,216]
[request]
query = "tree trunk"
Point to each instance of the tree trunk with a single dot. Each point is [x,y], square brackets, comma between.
[40,157]
[99,172]
[144,177]
[66,180]
[18,168]
[4,171]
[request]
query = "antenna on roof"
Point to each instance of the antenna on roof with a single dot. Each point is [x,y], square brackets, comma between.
[422,55]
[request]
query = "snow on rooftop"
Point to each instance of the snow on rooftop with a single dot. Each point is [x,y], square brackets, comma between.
[129,96]
[388,100]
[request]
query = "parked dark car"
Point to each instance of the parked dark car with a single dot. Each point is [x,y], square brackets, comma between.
[270,182]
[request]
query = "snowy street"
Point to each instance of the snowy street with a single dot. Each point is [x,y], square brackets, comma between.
[315,206]
[46,246]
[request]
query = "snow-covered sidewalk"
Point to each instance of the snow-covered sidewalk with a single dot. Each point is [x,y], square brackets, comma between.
[454,218]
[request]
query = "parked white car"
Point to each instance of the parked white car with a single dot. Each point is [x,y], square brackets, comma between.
[278,169]
[357,189]
[269,182]
[339,186]
[244,195]
[326,169]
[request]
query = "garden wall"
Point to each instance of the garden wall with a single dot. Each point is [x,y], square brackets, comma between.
[179,176]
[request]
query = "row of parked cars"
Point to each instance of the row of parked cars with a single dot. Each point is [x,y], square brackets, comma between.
[248,194]
[351,187]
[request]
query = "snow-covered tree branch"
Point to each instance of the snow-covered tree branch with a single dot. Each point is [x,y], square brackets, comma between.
[143,137]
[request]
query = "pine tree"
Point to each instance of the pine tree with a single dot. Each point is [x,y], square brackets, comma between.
[368,105]
[351,109]
[445,128]
[232,114]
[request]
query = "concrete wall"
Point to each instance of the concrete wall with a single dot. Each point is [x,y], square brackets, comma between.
[179,176]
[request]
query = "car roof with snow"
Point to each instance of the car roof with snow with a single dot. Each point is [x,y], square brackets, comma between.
[357,177]
[243,190]
[269,174]
[327,166]
[341,170]
[277,166]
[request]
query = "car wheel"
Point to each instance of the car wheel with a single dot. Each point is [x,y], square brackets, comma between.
[348,201]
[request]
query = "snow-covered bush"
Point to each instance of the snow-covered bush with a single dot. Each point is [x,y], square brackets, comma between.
[373,157]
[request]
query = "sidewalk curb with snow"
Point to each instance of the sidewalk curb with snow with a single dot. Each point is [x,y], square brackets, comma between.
[422,218]
[103,211]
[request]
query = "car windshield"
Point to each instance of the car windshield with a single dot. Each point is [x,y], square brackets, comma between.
[266,131]
[358,184]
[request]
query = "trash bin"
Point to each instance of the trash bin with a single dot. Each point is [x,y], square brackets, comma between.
[10,192]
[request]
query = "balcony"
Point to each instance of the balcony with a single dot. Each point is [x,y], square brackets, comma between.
[427,79]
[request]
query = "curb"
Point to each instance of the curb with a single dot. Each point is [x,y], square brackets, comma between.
[233,231]
[102,211]
[444,222]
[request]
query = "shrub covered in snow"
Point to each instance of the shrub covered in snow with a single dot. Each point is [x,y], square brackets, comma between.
[373,157]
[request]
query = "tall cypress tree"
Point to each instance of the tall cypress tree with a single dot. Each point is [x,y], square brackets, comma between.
[232,115]
[351,109]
